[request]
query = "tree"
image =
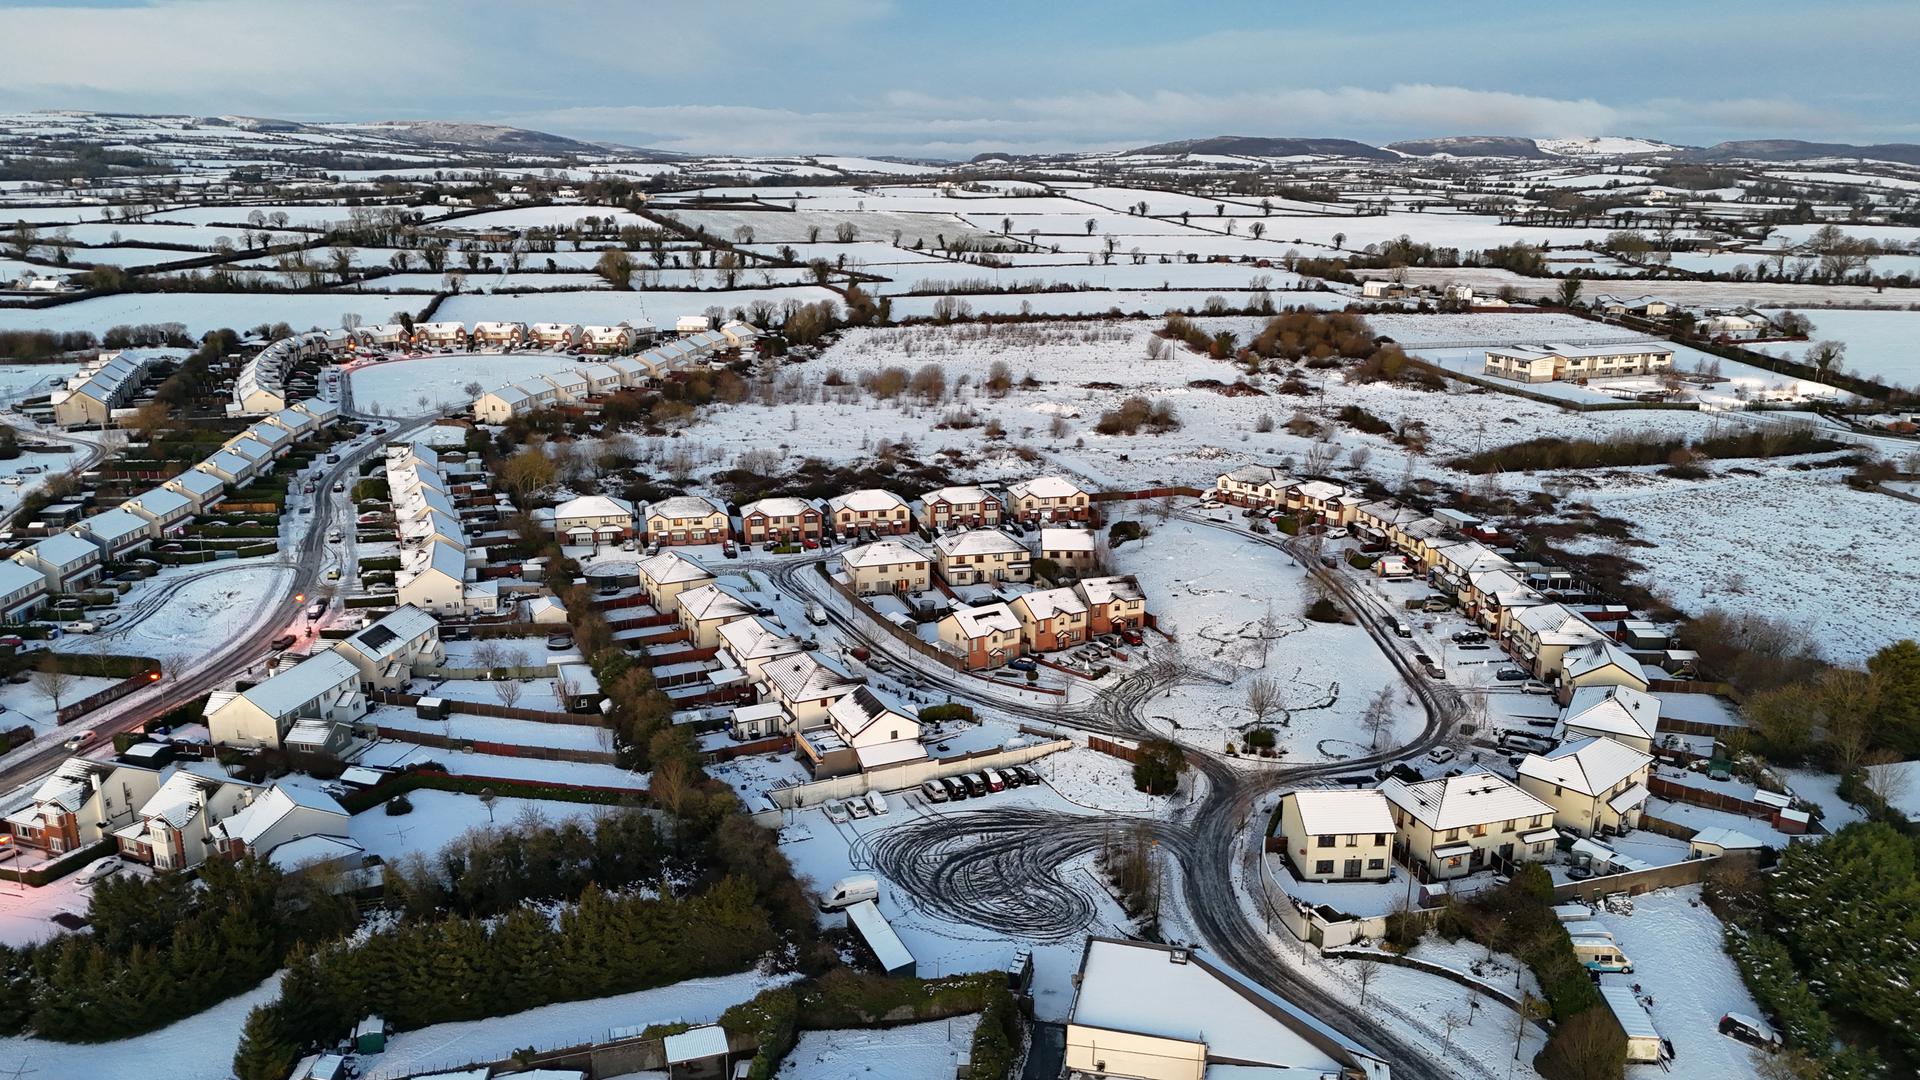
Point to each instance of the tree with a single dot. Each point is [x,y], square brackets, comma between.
[1377,720]
[1091,223]
[1258,229]
[52,679]
[473,389]
[1157,766]
[1896,673]
[1264,698]
[24,237]
[508,690]
[527,471]
[1825,354]
[1339,240]
[1588,1045]
[1569,294]
[616,266]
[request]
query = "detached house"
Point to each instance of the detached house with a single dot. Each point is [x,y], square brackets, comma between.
[1253,485]
[281,816]
[687,519]
[982,555]
[780,519]
[1113,603]
[967,506]
[986,636]
[1048,498]
[862,732]
[174,829]
[324,687]
[887,566]
[1621,713]
[883,512]
[1597,787]
[390,651]
[666,575]
[81,804]
[1337,835]
[1458,825]
[805,686]
[1051,619]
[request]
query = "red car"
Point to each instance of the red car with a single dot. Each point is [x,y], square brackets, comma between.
[1132,637]
[810,543]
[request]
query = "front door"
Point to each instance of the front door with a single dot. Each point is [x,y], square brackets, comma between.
[1353,868]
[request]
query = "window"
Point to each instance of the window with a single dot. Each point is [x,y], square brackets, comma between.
[1324,866]
[1353,841]
[1376,864]
[1380,839]
[1453,834]
[1508,827]
[1323,841]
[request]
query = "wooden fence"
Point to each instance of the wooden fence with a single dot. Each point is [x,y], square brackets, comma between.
[497,749]
[1113,749]
[1713,800]
[481,708]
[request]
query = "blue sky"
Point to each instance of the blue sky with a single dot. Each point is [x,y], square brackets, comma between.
[952,80]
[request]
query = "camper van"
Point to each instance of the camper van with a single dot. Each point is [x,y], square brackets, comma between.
[849,891]
[1595,949]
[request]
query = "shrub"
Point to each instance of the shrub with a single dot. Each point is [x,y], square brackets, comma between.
[1137,413]
[1122,531]
[1325,610]
[398,805]
[934,714]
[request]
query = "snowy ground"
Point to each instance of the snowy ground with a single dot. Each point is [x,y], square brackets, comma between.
[390,754]
[25,912]
[30,699]
[440,817]
[929,1050]
[192,609]
[201,312]
[448,1046]
[1823,790]
[1678,961]
[1880,344]
[197,1048]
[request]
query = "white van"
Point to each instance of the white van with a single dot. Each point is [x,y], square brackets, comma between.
[877,803]
[849,891]
[1596,950]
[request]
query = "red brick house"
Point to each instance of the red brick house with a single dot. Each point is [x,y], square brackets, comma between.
[781,519]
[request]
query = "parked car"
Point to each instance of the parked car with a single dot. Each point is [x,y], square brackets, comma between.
[100,871]
[1750,1030]
[339,486]
[994,780]
[79,626]
[976,784]
[1211,504]
[1027,776]
[333,536]
[1023,663]
[1510,674]
[933,791]
[877,803]
[858,807]
[1440,755]
[1535,686]
[1133,637]
[1469,637]
[955,790]
[727,549]
[836,812]
[284,641]
[1402,629]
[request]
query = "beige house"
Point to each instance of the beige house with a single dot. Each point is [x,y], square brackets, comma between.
[1597,787]
[1143,1011]
[982,555]
[1253,485]
[1337,835]
[1625,715]
[666,575]
[703,611]
[882,511]
[1051,619]
[861,732]
[1560,362]
[887,566]
[1072,550]
[1113,603]
[389,652]
[806,686]
[325,686]
[753,642]
[590,520]
[985,636]
[687,519]
[1454,826]
[174,830]
[967,505]
[1048,498]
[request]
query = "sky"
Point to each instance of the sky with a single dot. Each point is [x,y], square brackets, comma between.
[920,79]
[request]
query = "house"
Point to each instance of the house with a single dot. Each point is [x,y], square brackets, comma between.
[982,555]
[23,589]
[543,610]
[1072,550]
[1597,787]
[554,335]
[569,387]
[687,519]
[230,468]
[440,335]
[1337,835]
[1253,485]
[1383,289]
[81,803]
[1601,662]
[753,641]
[589,521]
[295,422]
[111,385]
[499,335]
[502,405]
[968,506]
[882,512]
[666,575]
[325,686]
[703,611]
[1328,504]
[202,489]
[887,566]
[859,724]
[437,581]
[1457,825]
[1625,715]
[738,334]
[68,563]
[985,636]
[1051,619]
[608,339]
[1651,307]
[386,335]
[1144,1011]
[119,533]
[278,440]
[602,379]
[783,519]
[1558,362]
[805,686]
[1113,603]
[1541,636]
[284,814]
[390,651]
[1048,498]
[173,830]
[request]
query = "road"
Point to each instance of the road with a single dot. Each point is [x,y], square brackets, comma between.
[1000,871]
[308,559]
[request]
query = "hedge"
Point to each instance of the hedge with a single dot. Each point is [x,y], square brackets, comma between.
[61,867]
[385,600]
[360,801]
[392,563]
[933,714]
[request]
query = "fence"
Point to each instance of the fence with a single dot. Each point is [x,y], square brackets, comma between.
[908,775]
[514,750]
[1713,800]
[1146,493]
[481,708]
[111,694]
[1113,749]
[1633,883]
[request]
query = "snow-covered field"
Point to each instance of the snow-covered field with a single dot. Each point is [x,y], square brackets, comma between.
[606,307]
[396,386]
[197,1048]
[31,700]
[191,609]
[201,312]
[440,817]
[391,754]
[1882,345]
[926,1050]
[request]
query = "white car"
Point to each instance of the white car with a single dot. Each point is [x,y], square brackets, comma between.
[1440,755]
[105,868]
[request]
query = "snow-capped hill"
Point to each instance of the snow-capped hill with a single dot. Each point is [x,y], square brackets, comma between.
[1603,146]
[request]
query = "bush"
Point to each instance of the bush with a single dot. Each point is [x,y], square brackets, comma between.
[1122,531]
[934,714]
[1586,1046]
[1326,611]
[1136,413]
[398,805]
[1261,738]
[1157,767]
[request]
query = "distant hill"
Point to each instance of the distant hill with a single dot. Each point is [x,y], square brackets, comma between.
[492,138]
[1262,146]
[1503,146]
[1798,150]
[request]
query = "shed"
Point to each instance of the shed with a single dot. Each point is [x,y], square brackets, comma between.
[431,708]
[879,936]
[696,1053]
[1643,1039]
[371,1036]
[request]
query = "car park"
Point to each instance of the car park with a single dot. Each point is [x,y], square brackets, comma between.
[858,807]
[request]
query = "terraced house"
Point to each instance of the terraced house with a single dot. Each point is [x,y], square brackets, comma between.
[687,519]
[1458,825]
[967,506]
[985,636]
[1253,485]
[1048,498]
[887,566]
[881,511]
[982,555]
[1113,603]
[1051,619]
[780,519]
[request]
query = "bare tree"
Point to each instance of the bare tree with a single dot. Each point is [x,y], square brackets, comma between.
[488,654]
[1364,972]
[1887,777]
[1377,720]
[508,690]
[52,679]
[1264,698]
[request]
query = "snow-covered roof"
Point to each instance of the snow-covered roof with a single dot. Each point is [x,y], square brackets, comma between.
[447,559]
[1066,539]
[1320,491]
[1170,993]
[781,506]
[1342,813]
[1627,1009]
[286,692]
[1613,710]
[868,500]
[882,553]
[388,636]
[71,783]
[1106,590]
[712,602]
[805,677]
[594,506]
[1458,802]
[1255,475]
[15,577]
[160,502]
[979,542]
[671,566]
[1590,766]
[959,495]
[306,850]
[114,525]
[1598,654]
[251,822]
[685,506]
[986,619]
[1571,352]
[1046,603]
[857,711]
[695,1044]
[756,639]
[892,752]
[227,462]
[1045,487]
[64,549]
[200,483]
[184,794]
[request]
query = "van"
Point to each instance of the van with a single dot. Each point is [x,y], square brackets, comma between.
[1596,951]
[849,891]
[1402,629]
[1750,1030]
[316,609]
[933,791]
[877,803]
[994,783]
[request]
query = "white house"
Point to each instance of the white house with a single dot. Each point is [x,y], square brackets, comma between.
[201,488]
[119,533]
[589,520]
[390,651]
[805,685]
[284,814]
[1337,835]
[1456,825]
[438,582]
[1597,787]
[325,686]
[69,563]
[1620,713]
[23,590]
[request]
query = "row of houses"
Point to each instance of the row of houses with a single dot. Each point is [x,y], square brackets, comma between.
[1560,362]
[102,385]
[177,816]
[698,519]
[1044,620]
[579,385]
[1453,826]
[436,558]
[1557,643]
[261,385]
[70,561]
